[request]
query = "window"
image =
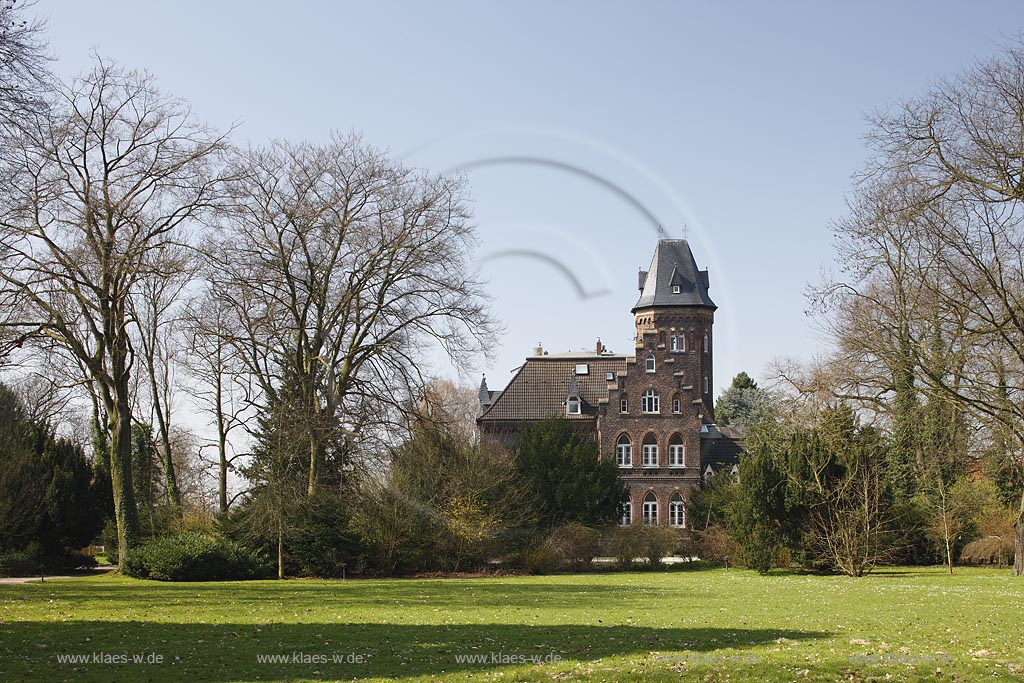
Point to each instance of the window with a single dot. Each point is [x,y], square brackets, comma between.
[706,384]
[649,402]
[706,345]
[650,362]
[626,513]
[582,369]
[624,405]
[677,511]
[677,405]
[572,406]
[650,451]
[676,451]
[677,343]
[609,376]
[675,289]
[651,509]
[624,452]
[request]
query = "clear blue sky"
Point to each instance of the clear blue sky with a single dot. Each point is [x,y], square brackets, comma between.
[579,125]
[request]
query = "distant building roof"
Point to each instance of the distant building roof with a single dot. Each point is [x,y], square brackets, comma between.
[673,266]
[541,386]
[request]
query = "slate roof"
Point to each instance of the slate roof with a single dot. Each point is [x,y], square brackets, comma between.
[720,446]
[542,384]
[673,264]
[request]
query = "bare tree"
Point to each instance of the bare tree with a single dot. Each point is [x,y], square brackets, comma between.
[24,72]
[340,268]
[94,193]
[944,191]
[219,385]
[155,310]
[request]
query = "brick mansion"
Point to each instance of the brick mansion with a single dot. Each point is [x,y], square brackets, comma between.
[653,411]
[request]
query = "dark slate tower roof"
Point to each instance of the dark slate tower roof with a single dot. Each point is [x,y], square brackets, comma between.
[673,265]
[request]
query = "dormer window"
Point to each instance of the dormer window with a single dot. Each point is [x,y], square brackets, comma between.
[676,289]
[650,362]
[609,376]
[582,369]
[572,406]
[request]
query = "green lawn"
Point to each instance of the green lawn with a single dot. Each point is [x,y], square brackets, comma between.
[705,626]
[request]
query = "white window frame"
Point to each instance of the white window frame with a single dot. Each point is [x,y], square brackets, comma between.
[624,452]
[677,511]
[650,454]
[677,455]
[582,369]
[624,405]
[650,402]
[677,406]
[650,363]
[573,406]
[676,289]
[609,377]
[650,509]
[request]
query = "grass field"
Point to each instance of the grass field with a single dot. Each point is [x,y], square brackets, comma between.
[905,625]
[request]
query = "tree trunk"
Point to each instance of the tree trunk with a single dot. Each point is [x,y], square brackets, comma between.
[280,552]
[1018,541]
[125,513]
[222,473]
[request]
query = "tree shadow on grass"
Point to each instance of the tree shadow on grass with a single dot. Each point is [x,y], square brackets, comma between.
[209,653]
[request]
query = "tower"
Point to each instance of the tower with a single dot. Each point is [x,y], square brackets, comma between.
[656,412]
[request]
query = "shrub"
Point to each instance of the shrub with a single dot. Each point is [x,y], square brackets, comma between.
[657,543]
[21,562]
[77,559]
[782,557]
[992,550]
[576,544]
[716,545]
[321,544]
[626,545]
[193,556]
[540,560]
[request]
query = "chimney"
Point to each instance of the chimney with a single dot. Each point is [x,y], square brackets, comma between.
[538,350]
[600,346]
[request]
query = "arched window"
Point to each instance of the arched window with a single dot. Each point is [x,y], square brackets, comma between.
[649,402]
[661,337]
[676,451]
[624,451]
[677,511]
[706,384]
[706,345]
[651,509]
[650,451]
[626,513]
[624,404]
[650,362]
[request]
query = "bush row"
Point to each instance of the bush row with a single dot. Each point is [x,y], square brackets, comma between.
[194,556]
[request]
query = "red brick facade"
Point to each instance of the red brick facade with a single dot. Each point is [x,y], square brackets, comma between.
[678,382]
